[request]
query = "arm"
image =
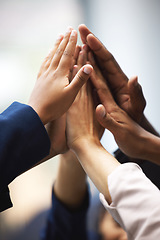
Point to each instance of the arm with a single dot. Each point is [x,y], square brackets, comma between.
[70,201]
[70,170]
[83,139]
[24,141]
[23,133]
[70,186]
[124,186]
[70,192]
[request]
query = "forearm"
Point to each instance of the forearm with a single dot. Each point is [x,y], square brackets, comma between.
[151,148]
[24,141]
[97,163]
[70,186]
[147,126]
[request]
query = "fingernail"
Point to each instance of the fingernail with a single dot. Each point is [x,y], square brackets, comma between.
[50,50]
[85,47]
[103,112]
[87,70]
[59,36]
[136,81]
[73,33]
[69,29]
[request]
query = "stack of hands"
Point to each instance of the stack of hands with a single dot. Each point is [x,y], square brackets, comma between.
[107,100]
[80,91]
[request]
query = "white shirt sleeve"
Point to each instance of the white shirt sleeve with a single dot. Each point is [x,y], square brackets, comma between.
[135,202]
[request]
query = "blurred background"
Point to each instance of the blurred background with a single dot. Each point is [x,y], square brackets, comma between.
[28,30]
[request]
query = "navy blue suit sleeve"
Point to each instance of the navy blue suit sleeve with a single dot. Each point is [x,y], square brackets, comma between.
[64,224]
[23,143]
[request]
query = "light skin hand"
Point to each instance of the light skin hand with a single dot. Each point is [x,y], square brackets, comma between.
[53,92]
[85,105]
[56,128]
[70,170]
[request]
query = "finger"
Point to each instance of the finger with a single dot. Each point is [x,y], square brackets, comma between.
[60,50]
[79,80]
[105,58]
[68,54]
[76,54]
[96,68]
[136,93]
[53,51]
[84,31]
[75,70]
[82,58]
[105,119]
[108,65]
[47,60]
[103,90]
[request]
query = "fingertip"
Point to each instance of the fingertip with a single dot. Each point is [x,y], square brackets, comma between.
[84,31]
[100,111]
[87,69]
[81,25]
[73,33]
[75,69]
[133,81]
[93,42]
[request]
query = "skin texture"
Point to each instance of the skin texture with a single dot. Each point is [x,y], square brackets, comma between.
[53,92]
[83,140]
[70,170]
[54,77]
[121,87]
[122,103]
[127,93]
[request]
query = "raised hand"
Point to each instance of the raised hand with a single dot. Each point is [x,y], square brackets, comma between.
[124,92]
[53,92]
[131,138]
[81,120]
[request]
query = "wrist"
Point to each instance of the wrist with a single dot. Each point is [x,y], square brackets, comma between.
[151,150]
[84,142]
[144,123]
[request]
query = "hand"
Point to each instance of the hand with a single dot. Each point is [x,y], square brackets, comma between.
[127,93]
[56,128]
[127,133]
[81,121]
[53,93]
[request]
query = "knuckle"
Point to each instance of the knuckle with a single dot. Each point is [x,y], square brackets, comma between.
[59,51]
[67,53]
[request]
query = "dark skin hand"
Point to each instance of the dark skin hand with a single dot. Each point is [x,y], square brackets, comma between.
[127,93]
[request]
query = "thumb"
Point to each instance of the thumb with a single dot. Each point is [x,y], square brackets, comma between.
[80,79]
[135,92]
[105,119]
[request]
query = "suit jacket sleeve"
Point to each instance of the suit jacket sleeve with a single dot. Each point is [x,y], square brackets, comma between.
[66,224]
[23,143]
